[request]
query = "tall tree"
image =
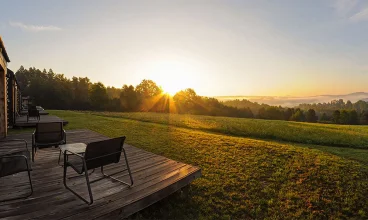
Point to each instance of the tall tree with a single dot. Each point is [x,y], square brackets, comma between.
[364,117]
[344,117]
[288,113]
[298,116]
[324,118]
[310,116]
[98,96]
[148,89]
[80,88]
[349,105]
[129,98]
[336,117]
[353,117]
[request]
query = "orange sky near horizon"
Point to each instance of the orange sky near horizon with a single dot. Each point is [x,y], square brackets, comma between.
[218,48]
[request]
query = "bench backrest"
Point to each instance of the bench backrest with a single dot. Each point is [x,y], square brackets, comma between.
[51,132]
[102,153]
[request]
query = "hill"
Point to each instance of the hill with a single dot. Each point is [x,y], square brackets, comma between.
[289,101]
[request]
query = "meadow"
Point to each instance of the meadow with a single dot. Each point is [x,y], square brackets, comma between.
[308,133]
[243,176]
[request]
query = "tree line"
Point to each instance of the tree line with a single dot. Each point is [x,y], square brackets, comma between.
[336,111]
[330,107]
[55,91]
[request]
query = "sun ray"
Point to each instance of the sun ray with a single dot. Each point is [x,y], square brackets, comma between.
[174,76]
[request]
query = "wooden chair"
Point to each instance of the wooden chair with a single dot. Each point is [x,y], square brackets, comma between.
[97,154]
[16,162]
[47,135]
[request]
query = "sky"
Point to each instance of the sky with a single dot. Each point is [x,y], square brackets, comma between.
[218,48]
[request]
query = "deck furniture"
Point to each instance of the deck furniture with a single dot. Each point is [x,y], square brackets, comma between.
[16,162]
[159,177]
[22,121]
[78,148]
[34,113]
[47,135]
[97,154]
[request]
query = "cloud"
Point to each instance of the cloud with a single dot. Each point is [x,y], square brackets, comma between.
[360,16]
[34,28]
[344,7]
[352,10]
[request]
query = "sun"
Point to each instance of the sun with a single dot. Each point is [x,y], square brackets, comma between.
[171,90]
[173,76]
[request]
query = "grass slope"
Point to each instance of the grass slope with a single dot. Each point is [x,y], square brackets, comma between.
[308,133]
[243,178]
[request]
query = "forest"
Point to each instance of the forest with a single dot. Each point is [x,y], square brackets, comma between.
[334,112]
[55,91]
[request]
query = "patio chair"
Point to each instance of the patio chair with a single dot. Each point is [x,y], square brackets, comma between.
[47,135]
[16,162]
[97,154]
[33,113]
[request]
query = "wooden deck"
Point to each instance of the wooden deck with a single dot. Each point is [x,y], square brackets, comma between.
[155,177]
[42,112]
[22,120]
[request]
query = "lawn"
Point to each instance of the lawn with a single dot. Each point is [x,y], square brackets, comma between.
[322,134]
[243,177]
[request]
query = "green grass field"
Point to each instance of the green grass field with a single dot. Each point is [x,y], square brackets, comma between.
[322,134]
[246,177]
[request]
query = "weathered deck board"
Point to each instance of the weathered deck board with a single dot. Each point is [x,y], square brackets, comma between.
[42,112]
[155,177]
[21,121]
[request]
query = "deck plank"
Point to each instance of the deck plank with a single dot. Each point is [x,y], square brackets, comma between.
[155,177]
[21,121]
[25,112]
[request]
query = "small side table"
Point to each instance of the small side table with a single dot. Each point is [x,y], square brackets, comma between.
[78,148]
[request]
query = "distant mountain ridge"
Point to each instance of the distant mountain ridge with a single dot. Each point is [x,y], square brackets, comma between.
[289,101]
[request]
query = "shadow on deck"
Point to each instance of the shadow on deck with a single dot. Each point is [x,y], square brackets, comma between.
[155,177]
[21,121]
